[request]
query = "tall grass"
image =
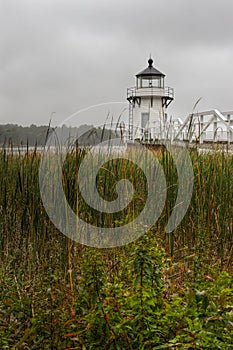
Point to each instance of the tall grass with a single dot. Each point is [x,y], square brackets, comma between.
[206,228]
[40,264]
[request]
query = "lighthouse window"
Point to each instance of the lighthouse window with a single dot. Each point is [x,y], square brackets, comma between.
[155,82]
[147,82]
[139,82]
[144,120]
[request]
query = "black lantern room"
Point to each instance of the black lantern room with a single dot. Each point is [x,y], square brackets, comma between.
[150,77]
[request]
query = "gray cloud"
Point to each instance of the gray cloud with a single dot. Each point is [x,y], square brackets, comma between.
[65,55]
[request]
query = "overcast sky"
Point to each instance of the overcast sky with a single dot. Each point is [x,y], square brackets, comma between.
[64,55]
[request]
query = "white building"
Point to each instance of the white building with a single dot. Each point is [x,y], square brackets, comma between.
[148,102]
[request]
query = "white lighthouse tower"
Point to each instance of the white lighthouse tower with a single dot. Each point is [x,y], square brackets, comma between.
[148,102]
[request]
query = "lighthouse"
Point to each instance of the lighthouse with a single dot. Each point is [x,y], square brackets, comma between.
[148,103]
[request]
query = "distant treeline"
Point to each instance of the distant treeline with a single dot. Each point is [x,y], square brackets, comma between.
[18,136]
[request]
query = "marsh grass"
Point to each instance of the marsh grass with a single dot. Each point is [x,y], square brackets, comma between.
[41,269]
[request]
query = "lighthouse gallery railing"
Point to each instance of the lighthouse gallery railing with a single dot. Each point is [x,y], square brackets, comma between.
[150,91]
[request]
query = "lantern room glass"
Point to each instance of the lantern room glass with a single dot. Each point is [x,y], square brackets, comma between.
[150,82]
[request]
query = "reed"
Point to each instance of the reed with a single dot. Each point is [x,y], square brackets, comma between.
[41,265]
[207,226]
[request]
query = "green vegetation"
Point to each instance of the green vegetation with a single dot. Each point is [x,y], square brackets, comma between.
[164,291]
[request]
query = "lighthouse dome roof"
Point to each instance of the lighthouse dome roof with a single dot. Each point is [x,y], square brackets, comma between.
[150,70]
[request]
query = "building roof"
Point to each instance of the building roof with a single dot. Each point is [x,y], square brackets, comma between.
[150,70]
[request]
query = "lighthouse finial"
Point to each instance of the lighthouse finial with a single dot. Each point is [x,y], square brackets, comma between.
[150,61]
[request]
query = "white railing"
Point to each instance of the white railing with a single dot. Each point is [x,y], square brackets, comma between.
[207,126]
[150,91]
